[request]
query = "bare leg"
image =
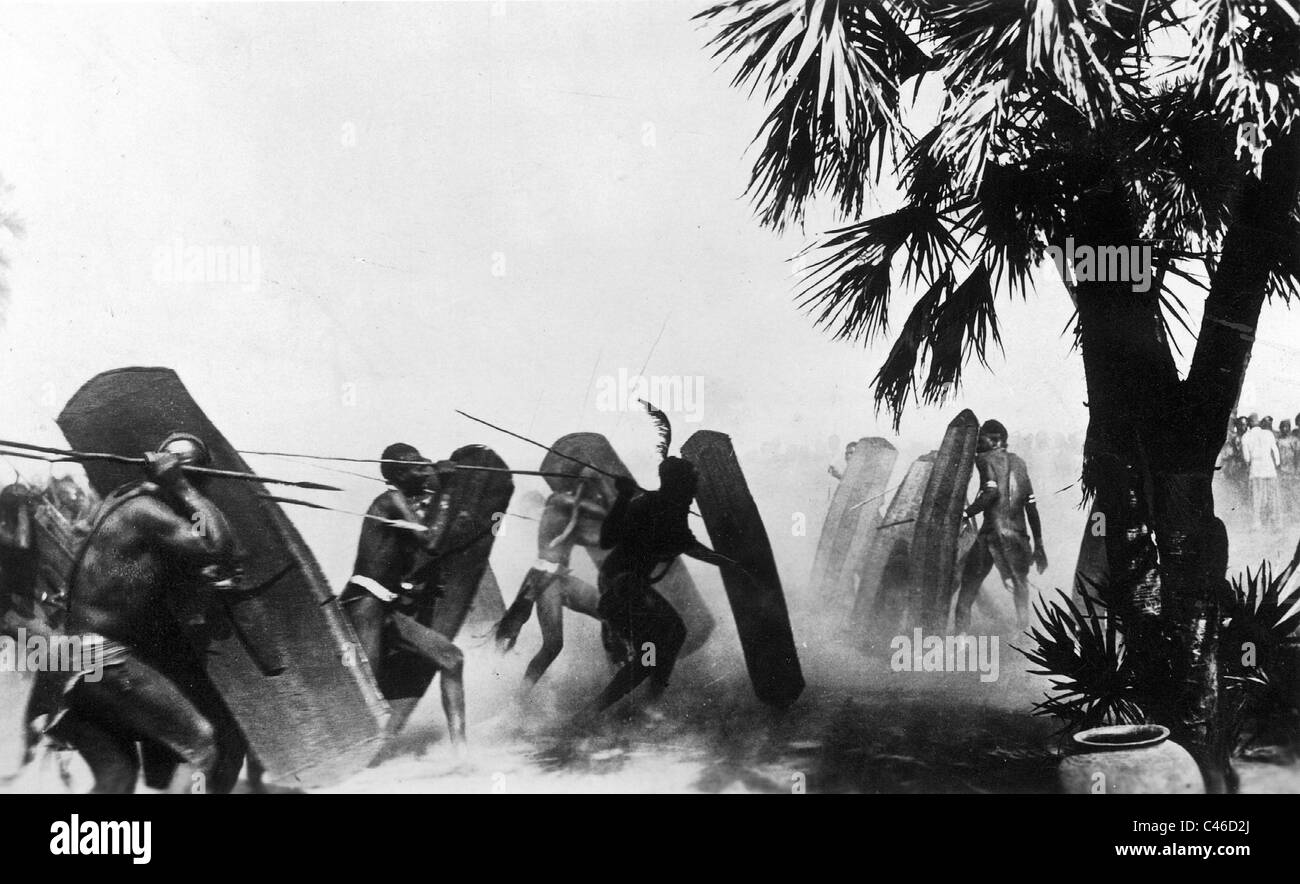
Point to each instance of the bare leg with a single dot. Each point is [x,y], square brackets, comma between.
[656,633]
[112,757]
[978,564]
[452,682]
[584,598]
[401,710]
[451,665]
[550,616]
[536,583]
[1020,592]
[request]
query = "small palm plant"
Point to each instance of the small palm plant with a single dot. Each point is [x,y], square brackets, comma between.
[1093,678]
[1080,646]
[1260,616]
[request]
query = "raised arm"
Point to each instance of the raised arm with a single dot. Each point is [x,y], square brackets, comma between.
[199,532]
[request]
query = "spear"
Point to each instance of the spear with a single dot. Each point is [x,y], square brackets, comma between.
[580,463]
[380,460]
[63,455]
[869,499]
[396,523]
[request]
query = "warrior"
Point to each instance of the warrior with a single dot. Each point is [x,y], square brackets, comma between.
[1006,498]
[393,588]
[645,531]
[571,517]
[151,540]
[848,456]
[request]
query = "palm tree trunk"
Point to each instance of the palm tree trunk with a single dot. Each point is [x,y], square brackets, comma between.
[1152,446]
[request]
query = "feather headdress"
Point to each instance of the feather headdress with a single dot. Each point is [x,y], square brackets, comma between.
[662,425]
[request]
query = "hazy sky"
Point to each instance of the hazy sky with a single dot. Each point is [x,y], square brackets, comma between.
[447,205]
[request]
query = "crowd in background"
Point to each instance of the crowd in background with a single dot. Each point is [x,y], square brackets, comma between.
[1260,469]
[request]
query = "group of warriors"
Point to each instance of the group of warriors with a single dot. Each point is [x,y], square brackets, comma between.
[159,569]
[1259,466]
[923,559]
[172,564]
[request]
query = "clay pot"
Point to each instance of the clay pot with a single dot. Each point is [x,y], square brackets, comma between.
[1128,759]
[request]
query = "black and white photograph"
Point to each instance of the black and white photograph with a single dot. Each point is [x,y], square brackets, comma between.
[555,397]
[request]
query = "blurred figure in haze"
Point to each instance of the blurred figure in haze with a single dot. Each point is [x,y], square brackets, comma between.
[1288,449]
[1259,449]
[848,455]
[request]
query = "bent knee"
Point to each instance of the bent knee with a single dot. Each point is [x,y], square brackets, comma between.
[454,664]
[204,749]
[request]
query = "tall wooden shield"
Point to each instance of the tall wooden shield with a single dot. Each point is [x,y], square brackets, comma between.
[938,522]
[677,585]
[321,718]
[591,448]
[478,502]
[885,572]
[850,520]
[757,601]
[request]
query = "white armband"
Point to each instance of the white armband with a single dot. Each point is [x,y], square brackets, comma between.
[372,586]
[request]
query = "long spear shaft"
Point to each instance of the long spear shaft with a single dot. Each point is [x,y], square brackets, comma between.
[396,523]
[580,463]
[459,466]
[68,455]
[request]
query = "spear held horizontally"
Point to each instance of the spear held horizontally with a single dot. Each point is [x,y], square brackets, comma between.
[396,523]
[580,463]
[68,455]
[380,460]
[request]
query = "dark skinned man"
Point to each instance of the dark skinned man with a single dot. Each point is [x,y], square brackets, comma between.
[151,539]
[645,531]
[569,519]
[390,596]
[1006,498]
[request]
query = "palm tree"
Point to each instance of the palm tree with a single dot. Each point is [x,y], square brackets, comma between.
[1097,124]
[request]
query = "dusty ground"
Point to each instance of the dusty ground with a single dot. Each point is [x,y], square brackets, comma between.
[859,727]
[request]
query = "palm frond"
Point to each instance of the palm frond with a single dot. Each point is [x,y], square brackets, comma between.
[963,325]
[895,383]
[831,71]
[849,288]
[1093,681]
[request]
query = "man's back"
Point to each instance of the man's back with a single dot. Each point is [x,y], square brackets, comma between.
[1011,476]
[121,574]
[1259,447]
